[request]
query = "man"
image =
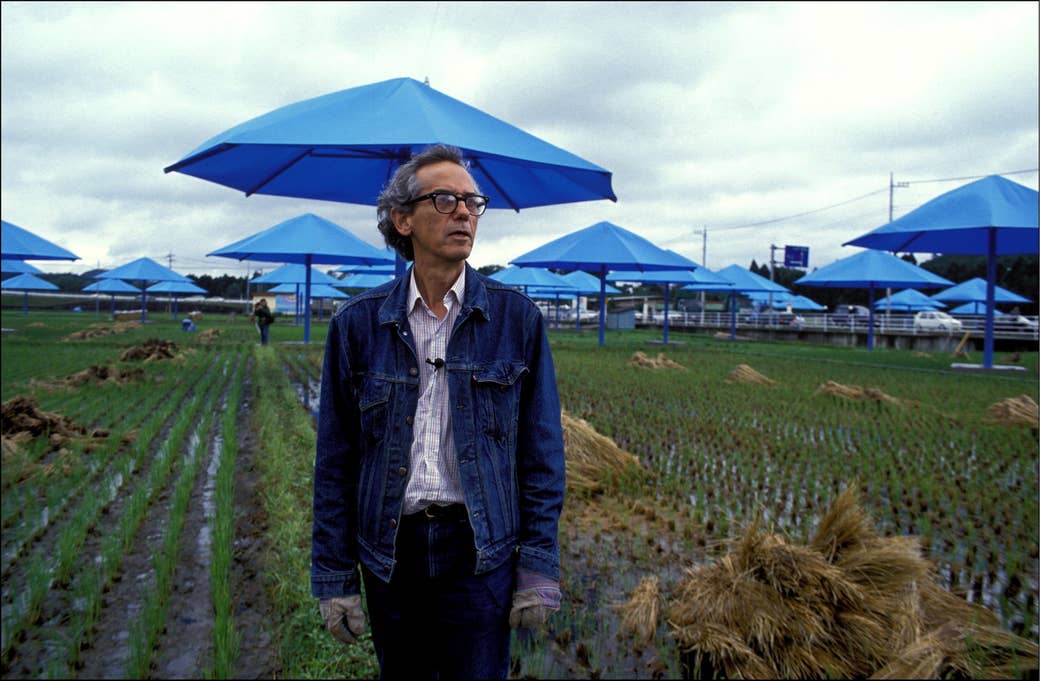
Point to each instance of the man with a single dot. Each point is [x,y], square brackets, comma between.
[439,474]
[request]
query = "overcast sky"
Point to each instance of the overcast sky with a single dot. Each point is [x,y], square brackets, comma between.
[760,123]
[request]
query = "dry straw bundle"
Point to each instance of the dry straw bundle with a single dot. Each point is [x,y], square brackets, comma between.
[641,359]
[149,350]
[639,614]
[850,604]
[592,458]
[745,374]
[854,392]
[1021,410]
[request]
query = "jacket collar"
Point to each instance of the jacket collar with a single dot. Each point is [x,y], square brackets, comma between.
[394,309]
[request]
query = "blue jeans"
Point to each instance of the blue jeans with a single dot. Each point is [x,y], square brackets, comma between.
[264,333]
[435,619]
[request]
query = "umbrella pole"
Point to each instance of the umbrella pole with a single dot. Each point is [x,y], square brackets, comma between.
[25,304]
[870,318]
[307,304]
[602,302]
[732,317]
[991,282]
[665,338]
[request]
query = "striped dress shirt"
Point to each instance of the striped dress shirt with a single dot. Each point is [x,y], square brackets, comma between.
[434,477]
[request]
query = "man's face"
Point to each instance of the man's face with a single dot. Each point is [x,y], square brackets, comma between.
[440,236]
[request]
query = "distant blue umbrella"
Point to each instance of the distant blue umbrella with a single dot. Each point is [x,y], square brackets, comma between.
[111,287]
[872,270]
[27,282]
[992,216]
[586,285]
[664,277]
[18,243]
[598,249]
[523,277]
[175,287]
[304,278]
[319,291]
[143,270]
[975,307]
[745,281]
[368,269]
[306,240]
[909,300]
[974,291]
[365,280]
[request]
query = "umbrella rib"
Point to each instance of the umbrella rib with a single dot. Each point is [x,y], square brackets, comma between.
[209,153]
[498,187]
[278,172]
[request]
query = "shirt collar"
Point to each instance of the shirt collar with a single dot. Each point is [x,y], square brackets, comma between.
[458,288]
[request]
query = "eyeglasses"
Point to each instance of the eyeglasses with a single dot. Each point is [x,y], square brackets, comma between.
[446,202]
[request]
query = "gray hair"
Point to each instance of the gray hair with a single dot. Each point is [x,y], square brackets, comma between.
[403,187]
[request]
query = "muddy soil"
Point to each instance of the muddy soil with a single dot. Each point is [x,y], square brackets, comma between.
[184,648]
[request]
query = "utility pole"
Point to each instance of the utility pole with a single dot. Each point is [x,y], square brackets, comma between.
[704,260]
[891,191]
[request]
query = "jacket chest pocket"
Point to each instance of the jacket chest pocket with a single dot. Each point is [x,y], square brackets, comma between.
[496,390]
[374,406]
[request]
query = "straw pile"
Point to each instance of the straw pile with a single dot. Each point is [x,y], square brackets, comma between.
[23,421]
[745,374]
[639,614]
[99,374]
[102,329]
[592,458]
[641,359]
[209,336]
[1021,410]
[848,605]
[151,349]
[854,392]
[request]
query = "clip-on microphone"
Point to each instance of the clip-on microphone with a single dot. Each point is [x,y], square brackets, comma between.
[437,363]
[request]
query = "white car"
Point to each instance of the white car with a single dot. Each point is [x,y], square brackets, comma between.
[933,320]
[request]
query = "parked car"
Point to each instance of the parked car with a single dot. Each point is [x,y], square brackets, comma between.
[934,320]
[850,315]
[1024,323]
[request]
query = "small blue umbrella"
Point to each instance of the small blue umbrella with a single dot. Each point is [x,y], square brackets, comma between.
[745,281]
[143,270]
[974,291]
[365,280]
[664,277]
[388,268]
[586,285]
[991,216]
[319,291]
[307,240]
[111,287]
[974,307]
[18,243]
[27,282]
[175,287]
[598,249]
[872,270]
[523,277]
[909,299]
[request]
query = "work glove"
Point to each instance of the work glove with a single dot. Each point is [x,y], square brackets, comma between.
[343,617]
[535,598]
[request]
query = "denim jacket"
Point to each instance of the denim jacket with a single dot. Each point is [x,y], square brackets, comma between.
[505,419]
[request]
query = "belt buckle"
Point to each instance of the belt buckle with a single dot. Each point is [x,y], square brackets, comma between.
[428,514]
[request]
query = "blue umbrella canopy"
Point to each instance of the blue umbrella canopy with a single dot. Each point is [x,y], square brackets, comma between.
[317,290]
[782,300]
[665,277]
[871,270]
[908,299]
[175,287]
[369,269]
[598,249]
[343,146]
[532,276]
[142,269]
[587,284]
[18,243]
[111,286]
[974,291]
[745,281]
[365,280]
[974,307]
[306,239]
[992,216]
[295,273]
[11,266]
[28,282]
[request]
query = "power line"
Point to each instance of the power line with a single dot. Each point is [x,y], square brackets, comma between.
[973,177]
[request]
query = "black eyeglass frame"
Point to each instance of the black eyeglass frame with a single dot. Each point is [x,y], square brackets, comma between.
[458,197]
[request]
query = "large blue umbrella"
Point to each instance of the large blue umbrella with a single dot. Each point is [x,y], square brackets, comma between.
[344,146]
[524,277]
[143,270]
[27,282]
[175,287]
[18,243]
[872,270]
[992,216]
[598,249]
[111,287]
[306,239]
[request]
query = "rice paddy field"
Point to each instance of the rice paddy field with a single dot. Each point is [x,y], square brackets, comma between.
[156,489]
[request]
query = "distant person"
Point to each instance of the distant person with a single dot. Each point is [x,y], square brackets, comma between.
[187,324]
[439,473]
[263,317]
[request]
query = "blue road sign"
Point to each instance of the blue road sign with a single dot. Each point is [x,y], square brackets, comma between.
[796,256]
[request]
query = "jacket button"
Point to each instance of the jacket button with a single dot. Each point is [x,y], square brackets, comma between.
[413,372]
[409,420]
[393,522]
[402,471]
